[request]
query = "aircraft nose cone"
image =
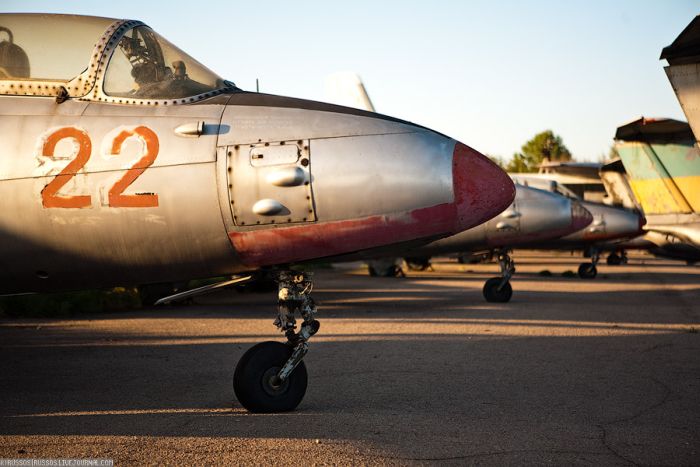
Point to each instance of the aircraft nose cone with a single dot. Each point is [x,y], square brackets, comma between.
[482,189]
[580,216]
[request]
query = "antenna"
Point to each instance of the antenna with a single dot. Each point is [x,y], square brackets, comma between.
[257,85]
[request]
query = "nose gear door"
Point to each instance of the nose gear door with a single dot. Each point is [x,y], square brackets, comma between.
[271,183]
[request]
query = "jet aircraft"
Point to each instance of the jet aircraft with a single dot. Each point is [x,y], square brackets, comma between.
[535,216]
[610,226]
[683,57]
[662,162]
[123,160]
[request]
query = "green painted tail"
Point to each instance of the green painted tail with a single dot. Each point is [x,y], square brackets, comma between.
[663,165]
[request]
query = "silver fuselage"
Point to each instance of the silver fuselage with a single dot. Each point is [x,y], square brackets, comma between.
[346,181]
[534,216]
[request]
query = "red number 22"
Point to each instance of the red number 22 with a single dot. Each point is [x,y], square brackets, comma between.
[49,194]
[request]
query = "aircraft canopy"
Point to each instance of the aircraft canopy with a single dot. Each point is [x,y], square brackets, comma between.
[103,59]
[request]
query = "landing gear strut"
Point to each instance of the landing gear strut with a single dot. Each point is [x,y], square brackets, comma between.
[271,376]
[498,289]
[589,270]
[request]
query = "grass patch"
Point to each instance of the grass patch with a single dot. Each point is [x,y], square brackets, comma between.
[568,274]
[545,273]
[68,303]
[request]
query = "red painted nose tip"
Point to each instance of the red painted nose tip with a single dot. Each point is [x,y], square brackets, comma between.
[580,216]
[642,222]
[482,189]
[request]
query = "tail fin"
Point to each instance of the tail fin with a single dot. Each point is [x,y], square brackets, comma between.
[684,73]
[664,170]
[346,88]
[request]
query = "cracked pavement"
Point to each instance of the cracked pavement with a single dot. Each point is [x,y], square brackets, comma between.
[418,370]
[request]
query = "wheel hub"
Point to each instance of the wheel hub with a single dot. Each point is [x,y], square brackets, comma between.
[271,384]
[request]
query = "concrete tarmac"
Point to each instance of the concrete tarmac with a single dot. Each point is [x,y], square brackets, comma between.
[418,370]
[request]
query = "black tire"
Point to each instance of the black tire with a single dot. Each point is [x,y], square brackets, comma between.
[493,294]
[417,264]
[614,259]
[391,271]
[251,380]
[587,271]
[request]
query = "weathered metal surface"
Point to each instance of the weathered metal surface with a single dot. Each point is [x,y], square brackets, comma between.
[683,57]
[535,215]
[664,177]
[612,223]
[609,223]
[479,189]
[617,186]
[105,192]
[262,188]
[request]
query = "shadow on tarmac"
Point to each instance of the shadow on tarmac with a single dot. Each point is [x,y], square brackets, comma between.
[480,389]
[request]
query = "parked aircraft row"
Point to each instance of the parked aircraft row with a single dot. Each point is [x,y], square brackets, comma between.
[656,182]
[544,215]
[123,160]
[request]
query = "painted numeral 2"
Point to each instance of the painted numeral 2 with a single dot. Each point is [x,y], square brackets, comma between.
[116,197]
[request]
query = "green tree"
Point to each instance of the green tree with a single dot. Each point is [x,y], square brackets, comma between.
[518,164]
[543,146]
[498,160]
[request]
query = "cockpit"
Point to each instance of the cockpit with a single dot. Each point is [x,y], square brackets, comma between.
[102,59]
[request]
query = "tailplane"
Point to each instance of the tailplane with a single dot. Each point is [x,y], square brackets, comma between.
[663,165]
[346,88]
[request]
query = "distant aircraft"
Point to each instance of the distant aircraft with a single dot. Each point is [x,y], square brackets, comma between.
[535,216]
[123,160]
[610,226]
[581,178]
[662,162]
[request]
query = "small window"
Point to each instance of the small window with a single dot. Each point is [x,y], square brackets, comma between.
[146,66]
[47,47]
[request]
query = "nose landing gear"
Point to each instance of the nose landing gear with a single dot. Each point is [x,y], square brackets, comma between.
[271,376]
[589,270]
[498,289]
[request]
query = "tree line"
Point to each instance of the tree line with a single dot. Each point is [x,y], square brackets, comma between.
[544,146]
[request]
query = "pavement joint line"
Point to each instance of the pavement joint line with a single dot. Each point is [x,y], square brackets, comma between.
[604,435]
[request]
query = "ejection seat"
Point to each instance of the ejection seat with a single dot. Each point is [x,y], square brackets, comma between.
[14,62]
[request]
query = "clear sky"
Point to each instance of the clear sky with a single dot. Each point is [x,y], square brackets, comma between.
[489,73]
